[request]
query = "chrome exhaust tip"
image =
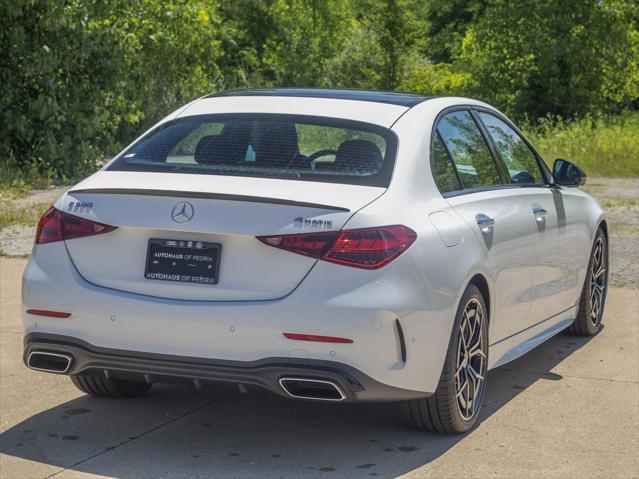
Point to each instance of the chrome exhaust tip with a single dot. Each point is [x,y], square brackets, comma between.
[315,389]
[49,362]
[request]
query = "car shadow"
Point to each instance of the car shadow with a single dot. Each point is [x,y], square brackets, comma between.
[183,432]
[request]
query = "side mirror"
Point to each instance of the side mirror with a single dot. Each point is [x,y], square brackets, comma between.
[566,173]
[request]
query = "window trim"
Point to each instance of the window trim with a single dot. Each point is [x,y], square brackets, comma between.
[466,191]
[452,162]
[504,175]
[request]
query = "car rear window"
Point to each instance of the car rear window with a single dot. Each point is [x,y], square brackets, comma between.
[267,146]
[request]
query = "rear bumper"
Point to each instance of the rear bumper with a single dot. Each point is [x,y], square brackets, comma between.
[88,359]
[357,304]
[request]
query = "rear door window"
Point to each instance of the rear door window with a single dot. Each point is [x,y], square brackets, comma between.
[520,161]
[267,146]
[468,149]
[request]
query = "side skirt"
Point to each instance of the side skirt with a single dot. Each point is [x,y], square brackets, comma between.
[523,345]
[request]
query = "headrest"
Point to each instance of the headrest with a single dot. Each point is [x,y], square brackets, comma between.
[219,149]
[276,144]
[358,155]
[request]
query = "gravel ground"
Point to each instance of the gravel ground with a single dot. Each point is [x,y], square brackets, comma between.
[620,199]
[618,196]
[17,240]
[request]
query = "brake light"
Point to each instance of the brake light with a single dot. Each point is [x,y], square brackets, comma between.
[368,248]
[56,225]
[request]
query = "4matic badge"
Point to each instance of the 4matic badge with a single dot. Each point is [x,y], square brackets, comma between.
[312,223]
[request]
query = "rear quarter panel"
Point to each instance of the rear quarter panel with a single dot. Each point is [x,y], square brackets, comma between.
[585,215]
[425,284]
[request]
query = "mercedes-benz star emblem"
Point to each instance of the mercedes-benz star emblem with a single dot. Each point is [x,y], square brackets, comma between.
[182,212]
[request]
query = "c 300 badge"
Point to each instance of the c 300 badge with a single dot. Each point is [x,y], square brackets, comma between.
[79,207]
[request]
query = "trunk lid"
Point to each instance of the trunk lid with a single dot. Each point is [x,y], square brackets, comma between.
[230,211]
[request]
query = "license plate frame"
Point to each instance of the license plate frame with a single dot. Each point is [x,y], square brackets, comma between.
[183,261]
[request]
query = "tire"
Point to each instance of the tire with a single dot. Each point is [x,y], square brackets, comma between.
[593,293]
[445,412]
[109,388]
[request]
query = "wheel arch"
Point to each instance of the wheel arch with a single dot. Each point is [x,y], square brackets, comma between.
[603,226]
[482,284]
[480,277]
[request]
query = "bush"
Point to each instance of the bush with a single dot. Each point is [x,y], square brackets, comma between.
[533,58]
[437,79]
[82,77]
[603,147]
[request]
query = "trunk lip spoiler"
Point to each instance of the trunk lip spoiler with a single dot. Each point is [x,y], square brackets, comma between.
[209,196]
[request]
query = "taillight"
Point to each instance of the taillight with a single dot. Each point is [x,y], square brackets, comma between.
[368,248]
[56,225]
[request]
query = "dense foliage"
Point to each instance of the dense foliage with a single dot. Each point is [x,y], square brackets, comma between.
[80,78]
[602,146]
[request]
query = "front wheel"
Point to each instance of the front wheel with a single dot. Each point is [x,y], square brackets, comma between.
[455,406]
[593,294]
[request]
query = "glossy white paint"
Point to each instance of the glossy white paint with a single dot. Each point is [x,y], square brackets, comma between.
[534,272]
[563,246]
[509,249]
[232,223]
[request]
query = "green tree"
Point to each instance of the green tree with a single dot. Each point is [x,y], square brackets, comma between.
[359,63]
[437,79]
[306,35]
[246,27]
[56,108]
[399,29]
[448,21]
[171,50]
[80,77]
[561,58]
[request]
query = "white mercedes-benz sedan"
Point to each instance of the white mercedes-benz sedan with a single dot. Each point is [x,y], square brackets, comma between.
[323,244]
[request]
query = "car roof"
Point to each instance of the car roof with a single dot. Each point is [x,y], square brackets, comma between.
[407,100]
[380,108]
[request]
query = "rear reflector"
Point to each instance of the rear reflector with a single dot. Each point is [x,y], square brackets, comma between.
[315,337]
[51,314]
[56,225]
[368,248]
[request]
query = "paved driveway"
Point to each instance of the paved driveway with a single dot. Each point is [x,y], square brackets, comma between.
[568,409]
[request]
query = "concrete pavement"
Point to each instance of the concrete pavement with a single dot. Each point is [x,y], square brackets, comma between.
[568,409]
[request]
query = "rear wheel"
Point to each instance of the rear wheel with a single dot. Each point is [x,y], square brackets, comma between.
[455,406]
[109,388]
[593,294]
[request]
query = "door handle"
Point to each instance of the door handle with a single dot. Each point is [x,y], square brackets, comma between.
[540,213]
[485,223]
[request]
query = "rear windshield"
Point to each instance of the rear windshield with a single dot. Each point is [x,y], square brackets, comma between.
[267,146]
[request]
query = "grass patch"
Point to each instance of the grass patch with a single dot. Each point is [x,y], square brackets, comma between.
[28,215]
[622,203]
[18,183]
[13,190]
[602,147]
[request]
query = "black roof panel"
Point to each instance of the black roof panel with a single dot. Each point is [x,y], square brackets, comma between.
[402,99]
